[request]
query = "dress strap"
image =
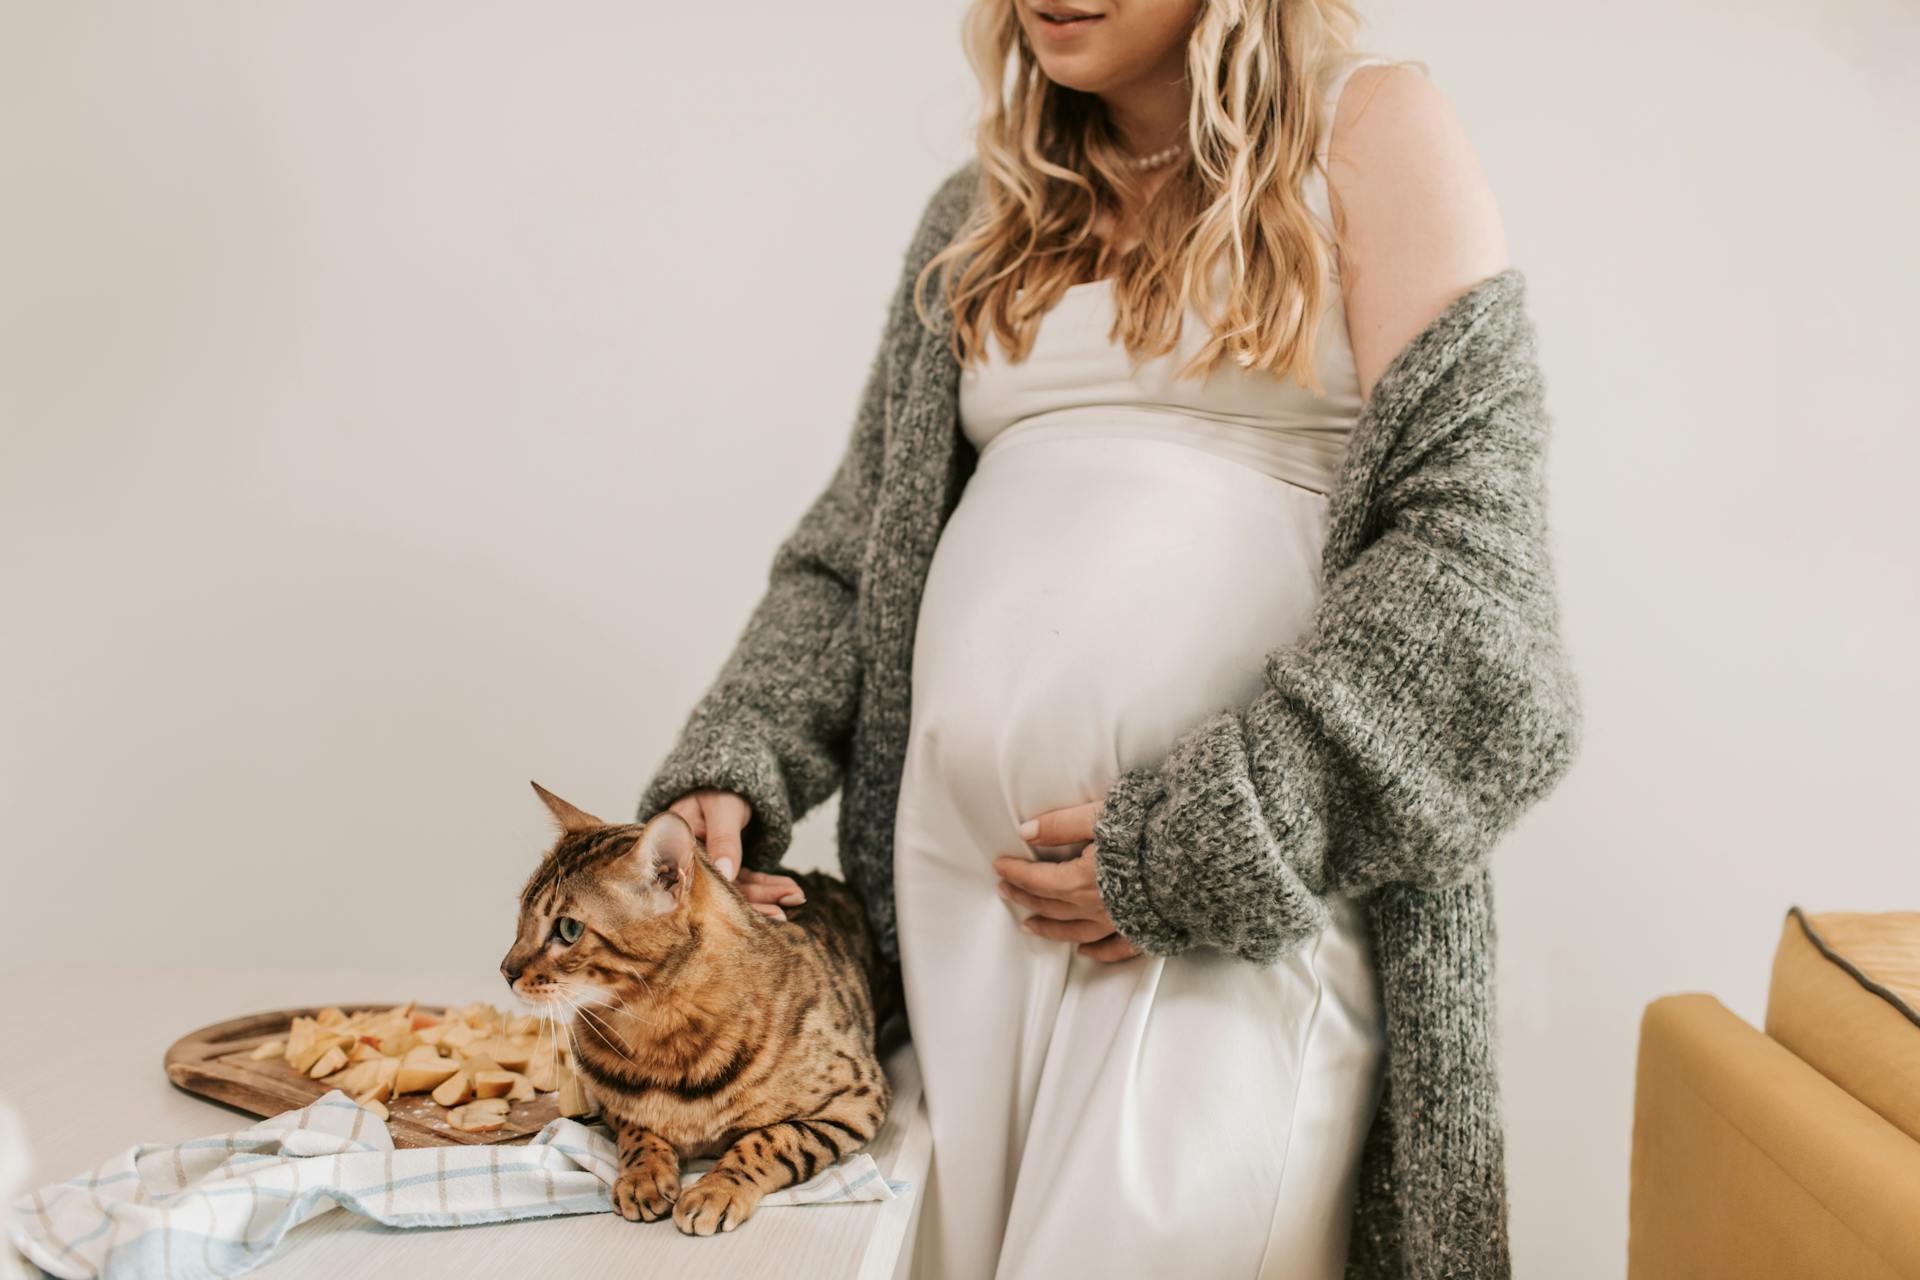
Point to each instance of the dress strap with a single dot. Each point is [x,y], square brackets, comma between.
[1332,85]
[1334,80]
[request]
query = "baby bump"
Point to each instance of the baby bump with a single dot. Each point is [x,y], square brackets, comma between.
[1092,598]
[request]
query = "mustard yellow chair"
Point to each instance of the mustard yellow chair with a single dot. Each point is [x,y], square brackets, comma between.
[1793,1152]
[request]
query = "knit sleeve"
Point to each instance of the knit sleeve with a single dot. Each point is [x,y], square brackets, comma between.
[1427,705]
[776,724]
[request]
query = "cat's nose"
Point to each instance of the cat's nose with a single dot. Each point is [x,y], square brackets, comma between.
[510,971]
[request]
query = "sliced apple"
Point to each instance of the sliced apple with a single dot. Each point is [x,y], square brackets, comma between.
[478,1117]
[574,1099]
[304,1052]
[328,1063]
[476,1059]
[386,1027]
[300,1037]
[513,1055]
[423,1071]
[544,1073]
[351,1078]
[492,1084]
[358,1077]
[460,1035]
[477,1014]
[478,1062]
[383,1086]
[455,1089]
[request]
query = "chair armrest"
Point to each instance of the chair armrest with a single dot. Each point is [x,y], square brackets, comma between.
[1748,1162]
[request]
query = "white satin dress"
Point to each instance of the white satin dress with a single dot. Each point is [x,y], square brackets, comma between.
[1127,551]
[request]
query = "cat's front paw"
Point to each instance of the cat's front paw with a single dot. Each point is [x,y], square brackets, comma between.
[646,1194]
[720,1201]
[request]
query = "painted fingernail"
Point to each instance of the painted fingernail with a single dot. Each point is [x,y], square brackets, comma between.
[1030,828]
[724,866]
[793,899]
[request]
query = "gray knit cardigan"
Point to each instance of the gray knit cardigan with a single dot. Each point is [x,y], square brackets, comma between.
[1429,704]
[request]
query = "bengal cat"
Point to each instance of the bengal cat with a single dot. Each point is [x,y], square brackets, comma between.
[702,1026]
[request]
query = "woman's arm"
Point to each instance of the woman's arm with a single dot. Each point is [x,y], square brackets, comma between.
[1430,701]
[1415,215]
[775,725]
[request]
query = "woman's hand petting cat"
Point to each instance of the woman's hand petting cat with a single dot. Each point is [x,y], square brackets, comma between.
[717,818]
[1063,896]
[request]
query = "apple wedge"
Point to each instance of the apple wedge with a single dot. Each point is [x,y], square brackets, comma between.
[383,1085]
[328,1063]
[544,1073]
[423,1071]
[454,1090]
[512,1055]
[477,1117]
[574,1099]
[493,1084]
[356,1078]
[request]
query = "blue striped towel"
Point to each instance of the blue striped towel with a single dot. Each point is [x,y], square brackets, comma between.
[220,1206]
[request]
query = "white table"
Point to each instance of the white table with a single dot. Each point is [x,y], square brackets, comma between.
[80,1058]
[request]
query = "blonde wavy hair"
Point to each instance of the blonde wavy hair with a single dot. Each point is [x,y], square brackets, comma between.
[1051,163]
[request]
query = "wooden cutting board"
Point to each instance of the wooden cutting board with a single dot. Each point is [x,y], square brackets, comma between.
[213,1063]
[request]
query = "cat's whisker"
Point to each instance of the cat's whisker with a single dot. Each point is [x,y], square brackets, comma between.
[573,1007]
[573,1038]
[602,998]
[562,997]
[596,1025]
[644,983]
[552,1037]
[605,1031]
[623,1007]
[551,1025]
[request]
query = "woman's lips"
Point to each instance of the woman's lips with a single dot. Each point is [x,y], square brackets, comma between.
[1065,30]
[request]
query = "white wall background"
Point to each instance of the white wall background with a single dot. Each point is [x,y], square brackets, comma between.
[398,403]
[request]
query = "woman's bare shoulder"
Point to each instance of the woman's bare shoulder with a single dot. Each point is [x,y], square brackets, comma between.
[1414,211]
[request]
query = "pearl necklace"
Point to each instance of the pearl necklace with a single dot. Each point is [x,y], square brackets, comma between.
[1140,164]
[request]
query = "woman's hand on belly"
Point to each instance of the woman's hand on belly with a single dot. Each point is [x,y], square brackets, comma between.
[1063,896]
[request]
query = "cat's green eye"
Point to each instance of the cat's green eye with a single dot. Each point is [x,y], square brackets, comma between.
[568,930]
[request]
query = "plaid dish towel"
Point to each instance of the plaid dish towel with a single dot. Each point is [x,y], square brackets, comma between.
[220,1206]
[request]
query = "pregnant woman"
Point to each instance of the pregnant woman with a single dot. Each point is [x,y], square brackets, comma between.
[1131,545]
[1181,852]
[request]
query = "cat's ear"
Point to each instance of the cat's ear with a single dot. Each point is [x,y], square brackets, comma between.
[667,845]
[571,819]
